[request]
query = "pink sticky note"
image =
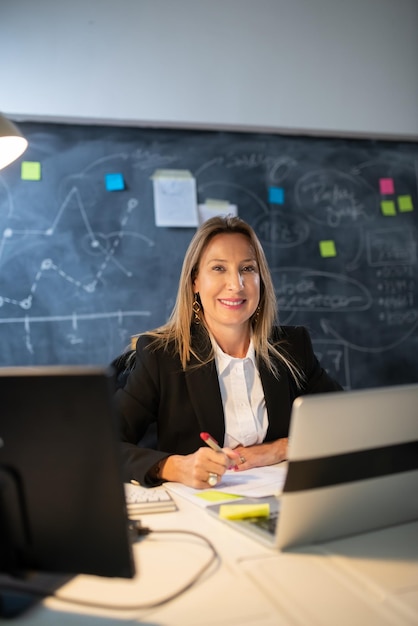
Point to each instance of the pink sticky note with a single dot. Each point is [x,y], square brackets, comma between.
[386,186]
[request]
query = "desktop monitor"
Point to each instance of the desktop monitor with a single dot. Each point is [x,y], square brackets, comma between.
[62,502]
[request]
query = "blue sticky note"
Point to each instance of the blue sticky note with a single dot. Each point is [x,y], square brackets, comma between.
[276,195]
[114,182]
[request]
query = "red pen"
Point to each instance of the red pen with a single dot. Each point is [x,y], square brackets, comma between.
[212,443]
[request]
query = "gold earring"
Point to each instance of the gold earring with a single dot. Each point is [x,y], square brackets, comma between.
[196,309]
[256,315]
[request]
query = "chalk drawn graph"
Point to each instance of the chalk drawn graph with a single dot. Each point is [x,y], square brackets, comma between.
[103,246]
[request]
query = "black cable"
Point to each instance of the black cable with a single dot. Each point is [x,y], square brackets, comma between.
[36,591]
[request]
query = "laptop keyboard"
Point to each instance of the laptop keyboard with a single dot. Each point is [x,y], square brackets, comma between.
[269,523]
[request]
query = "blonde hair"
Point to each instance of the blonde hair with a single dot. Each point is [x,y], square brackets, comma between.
[178,327]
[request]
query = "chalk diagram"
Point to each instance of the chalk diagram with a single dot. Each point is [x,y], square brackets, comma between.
[72,291]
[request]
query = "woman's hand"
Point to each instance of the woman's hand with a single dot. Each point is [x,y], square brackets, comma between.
[262,454]
[195,470]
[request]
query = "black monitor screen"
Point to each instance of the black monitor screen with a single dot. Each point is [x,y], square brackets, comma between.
[62,503]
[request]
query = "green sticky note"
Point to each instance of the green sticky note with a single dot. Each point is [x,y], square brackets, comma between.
[405,203]
[30,170]
[327,248]
[211,495]
[388,207]
[243,511]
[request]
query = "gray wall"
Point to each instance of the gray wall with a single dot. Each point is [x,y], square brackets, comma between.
[322,66]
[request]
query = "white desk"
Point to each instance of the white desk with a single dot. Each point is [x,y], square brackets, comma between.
[369,580]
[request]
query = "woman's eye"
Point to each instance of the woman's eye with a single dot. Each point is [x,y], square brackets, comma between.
[245,269]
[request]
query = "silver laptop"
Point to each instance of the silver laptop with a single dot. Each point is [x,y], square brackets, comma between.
[352,467]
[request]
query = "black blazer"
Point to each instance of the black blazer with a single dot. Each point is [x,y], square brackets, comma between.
[183,404]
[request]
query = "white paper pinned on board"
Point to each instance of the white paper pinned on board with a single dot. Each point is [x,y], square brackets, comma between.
[212,208]
[175,201]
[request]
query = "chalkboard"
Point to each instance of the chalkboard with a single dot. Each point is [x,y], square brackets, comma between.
[82,267]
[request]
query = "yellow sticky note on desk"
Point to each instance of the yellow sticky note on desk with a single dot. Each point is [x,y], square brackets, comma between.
[211,495]
[243,511]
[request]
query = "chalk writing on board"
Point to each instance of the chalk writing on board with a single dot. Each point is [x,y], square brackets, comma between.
[335,198]
[282,229]
[299,289]
[83,265]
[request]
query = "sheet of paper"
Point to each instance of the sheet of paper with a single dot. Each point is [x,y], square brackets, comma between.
[254,483]
[175,201]
[213,208]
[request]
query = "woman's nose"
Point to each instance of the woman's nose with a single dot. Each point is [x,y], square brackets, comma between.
[235,280]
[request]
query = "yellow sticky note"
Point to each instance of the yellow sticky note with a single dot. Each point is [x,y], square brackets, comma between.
[30,170]
[388,207]
[242,511]
[211,495]
[212,202]
[327,248]
[405,203]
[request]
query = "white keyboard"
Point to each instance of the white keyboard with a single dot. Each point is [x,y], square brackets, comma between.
[141,500]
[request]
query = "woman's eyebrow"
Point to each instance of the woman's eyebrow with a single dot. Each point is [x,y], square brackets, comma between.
[215,260]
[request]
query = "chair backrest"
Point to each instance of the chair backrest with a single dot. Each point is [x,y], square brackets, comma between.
[122,365]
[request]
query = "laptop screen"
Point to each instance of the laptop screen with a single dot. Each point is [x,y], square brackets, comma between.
[353,464]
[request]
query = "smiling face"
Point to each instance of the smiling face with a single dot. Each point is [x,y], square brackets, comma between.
[228,282]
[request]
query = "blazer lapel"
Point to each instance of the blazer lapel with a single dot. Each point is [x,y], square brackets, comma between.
[278,403]
[204,392]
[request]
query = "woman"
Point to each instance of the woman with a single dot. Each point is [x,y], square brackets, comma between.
[219,365]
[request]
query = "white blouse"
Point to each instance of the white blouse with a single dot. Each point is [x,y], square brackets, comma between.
[246,419]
